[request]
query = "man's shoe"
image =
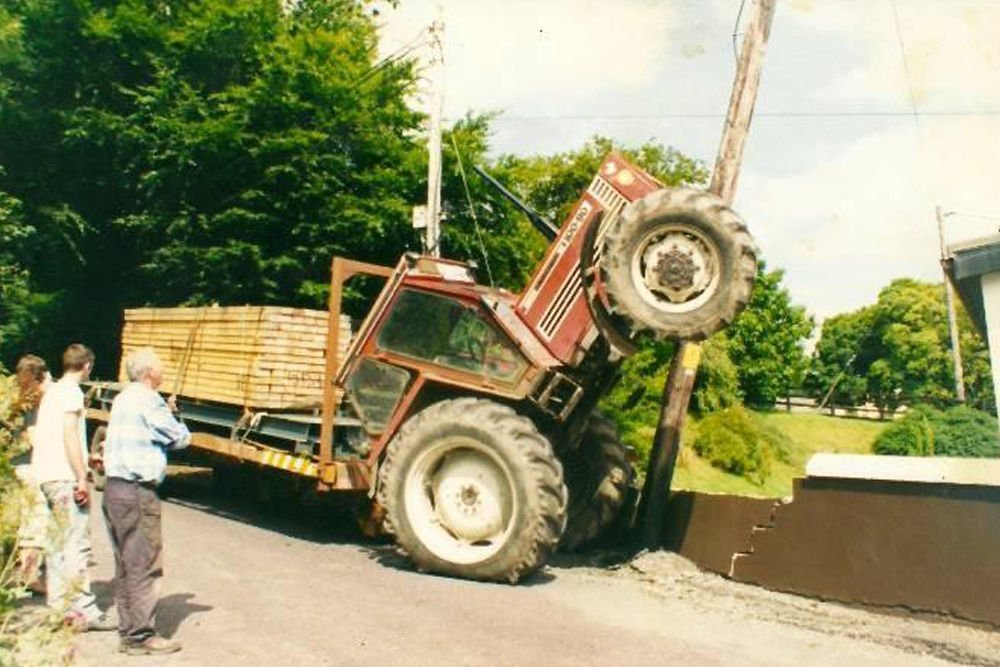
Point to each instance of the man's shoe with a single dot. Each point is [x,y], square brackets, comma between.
[150,646]
[103,623]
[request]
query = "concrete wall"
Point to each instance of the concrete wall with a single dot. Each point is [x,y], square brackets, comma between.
[933,547]
[709,529]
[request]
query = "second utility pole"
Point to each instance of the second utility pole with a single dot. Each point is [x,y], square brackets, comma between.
[432,238]
[949,297]
[684,367]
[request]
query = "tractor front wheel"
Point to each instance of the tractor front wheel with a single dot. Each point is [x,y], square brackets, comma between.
[472,489]
[679,264]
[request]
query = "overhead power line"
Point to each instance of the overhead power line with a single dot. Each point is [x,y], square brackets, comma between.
[762,114]
[975,216]
[422,38]
[472,210]
[736,29]
[906,64]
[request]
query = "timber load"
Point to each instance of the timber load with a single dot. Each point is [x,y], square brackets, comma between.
[260,357]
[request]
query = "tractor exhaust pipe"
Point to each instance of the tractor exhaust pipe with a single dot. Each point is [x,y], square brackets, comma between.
[548,230]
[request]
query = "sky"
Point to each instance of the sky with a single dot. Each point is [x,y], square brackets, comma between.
[840,177]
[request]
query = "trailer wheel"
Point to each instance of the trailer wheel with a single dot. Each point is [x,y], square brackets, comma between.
[96,456]
[600,478]
[679,264]
[473,490]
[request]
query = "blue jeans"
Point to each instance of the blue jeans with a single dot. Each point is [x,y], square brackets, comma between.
[67,548]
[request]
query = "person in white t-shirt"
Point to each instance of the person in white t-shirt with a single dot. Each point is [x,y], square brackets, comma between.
[58,461]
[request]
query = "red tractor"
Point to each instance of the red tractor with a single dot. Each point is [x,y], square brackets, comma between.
[481,404]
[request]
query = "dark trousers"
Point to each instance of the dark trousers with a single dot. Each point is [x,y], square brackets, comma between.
[132,512]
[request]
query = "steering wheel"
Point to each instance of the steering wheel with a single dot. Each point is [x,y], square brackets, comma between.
[476,348]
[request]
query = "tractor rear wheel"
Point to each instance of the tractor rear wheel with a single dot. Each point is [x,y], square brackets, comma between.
[472,489]
[599,477]
[679,264]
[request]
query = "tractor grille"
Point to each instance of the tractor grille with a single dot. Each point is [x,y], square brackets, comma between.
[612,202]
[560,306]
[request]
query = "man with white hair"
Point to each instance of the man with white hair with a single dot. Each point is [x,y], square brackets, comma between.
[142,429]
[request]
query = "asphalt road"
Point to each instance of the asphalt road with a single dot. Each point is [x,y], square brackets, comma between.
[249,587]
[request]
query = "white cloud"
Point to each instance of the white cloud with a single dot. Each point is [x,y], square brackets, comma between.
[500,54]
[952,52]
[865,215]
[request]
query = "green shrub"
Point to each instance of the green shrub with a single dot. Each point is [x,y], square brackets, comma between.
[963,431]
[913,435]
[958,431]
[737,441]
[717,385]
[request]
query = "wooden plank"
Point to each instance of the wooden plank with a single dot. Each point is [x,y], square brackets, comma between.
[290,331]
[184,338]
[230,350]
[232,344]
[304,331]
[225,314]
[288,382]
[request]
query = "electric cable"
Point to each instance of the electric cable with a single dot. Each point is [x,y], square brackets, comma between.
[396,55]
[762,114]
[975,216]
[736,29]
[472,210]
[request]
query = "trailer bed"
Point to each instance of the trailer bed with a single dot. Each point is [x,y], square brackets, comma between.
[287,441]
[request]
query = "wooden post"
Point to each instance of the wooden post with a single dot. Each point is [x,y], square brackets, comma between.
[684,367]
[332,347]
[432,241]
[666,443]
[741,103]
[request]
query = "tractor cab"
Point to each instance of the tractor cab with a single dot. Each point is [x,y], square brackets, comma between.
[434,333]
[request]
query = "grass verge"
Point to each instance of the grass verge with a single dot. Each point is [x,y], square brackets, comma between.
[809,434]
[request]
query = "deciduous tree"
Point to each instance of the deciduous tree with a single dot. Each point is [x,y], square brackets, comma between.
[766,341]
[898,351]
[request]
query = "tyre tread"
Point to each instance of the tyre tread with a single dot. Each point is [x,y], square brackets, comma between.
[708,207]
[548,511]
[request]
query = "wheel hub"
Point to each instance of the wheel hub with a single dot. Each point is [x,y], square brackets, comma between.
[676,267]
[469,496]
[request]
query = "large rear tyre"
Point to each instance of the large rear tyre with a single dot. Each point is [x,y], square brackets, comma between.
[679,264]
[472,489]
[599,477]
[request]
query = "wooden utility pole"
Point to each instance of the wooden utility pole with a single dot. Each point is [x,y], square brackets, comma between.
[684,367]
[432,239]
[949,297]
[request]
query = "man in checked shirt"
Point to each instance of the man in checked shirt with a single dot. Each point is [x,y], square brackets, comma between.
[142,429]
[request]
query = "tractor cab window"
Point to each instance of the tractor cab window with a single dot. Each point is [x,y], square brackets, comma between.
[446,332]
[374,389]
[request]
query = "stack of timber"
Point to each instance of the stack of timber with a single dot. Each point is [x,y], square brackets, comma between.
[261,357]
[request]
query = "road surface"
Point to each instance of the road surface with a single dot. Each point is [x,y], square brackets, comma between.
[248,587]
